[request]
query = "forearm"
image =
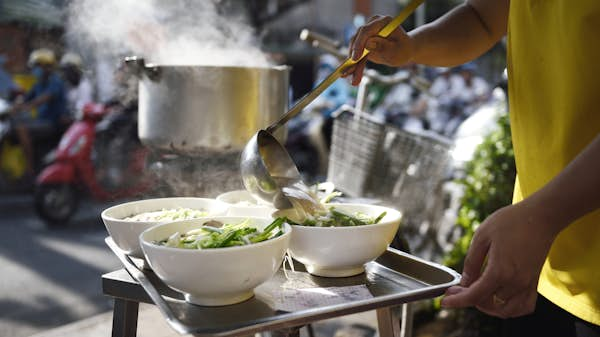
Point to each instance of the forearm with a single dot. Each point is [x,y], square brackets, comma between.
[32,103]
[572,193]
[39,100]
[462,34]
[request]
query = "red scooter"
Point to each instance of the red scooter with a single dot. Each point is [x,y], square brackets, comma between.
[79,164]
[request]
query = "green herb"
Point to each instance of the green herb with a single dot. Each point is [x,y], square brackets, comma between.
[336,218]
[229,235]
[381,216]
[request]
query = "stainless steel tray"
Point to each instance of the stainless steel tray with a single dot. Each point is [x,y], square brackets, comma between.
[392,279]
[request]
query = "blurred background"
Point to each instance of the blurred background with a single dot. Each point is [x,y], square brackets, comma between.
[438,139]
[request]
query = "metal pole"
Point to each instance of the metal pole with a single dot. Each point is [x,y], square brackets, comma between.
[395,321]
[125,317]
[420,16]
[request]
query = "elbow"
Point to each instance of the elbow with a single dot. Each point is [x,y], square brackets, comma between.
[493,21]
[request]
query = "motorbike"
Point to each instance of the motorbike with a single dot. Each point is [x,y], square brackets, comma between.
[13,160]
[97,155]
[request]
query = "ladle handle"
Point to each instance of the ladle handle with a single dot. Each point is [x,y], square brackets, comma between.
[308,98]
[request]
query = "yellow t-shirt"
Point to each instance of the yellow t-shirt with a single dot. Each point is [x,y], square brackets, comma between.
[554,94]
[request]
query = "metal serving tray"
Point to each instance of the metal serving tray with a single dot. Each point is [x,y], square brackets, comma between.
[392,279]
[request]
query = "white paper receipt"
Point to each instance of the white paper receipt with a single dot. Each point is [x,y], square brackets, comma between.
[296,299]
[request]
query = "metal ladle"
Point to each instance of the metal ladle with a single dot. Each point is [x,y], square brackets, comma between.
[268,171]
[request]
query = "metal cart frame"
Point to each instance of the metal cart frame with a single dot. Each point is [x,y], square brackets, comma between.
[395,290]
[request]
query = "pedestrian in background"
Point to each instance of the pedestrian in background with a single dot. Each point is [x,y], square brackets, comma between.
[48,98]
[79,87]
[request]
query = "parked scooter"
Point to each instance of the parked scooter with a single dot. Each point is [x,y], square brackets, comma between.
[111,169]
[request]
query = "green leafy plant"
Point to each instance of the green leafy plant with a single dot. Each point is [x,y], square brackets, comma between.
[488,185]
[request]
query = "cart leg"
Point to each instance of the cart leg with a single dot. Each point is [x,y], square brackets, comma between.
[289,332]
[310,330]
[395,321]
[125,317]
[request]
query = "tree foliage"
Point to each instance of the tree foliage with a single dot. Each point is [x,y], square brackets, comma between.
[488,185]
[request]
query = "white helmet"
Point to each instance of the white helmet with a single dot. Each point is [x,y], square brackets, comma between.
[41,56]
[71,59]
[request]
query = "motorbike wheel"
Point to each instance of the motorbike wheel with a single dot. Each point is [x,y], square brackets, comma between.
[56,203]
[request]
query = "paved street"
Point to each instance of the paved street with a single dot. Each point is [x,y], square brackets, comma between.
[50,277]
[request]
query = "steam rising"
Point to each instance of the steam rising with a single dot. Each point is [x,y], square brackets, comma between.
[178,32]
[169,32]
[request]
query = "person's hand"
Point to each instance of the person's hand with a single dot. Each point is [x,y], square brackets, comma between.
[515,240]
[395,50]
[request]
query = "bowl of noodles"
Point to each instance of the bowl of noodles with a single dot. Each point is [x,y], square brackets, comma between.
[339,239]
[125,222]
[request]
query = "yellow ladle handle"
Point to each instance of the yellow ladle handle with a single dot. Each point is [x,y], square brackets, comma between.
[313,94]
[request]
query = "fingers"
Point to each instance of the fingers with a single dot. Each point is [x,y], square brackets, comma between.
[507,286]
[482,288]
[359,69]
[474,260]
[454,290]
[395,50]
[365,32]
[364,37]
[356,70]
[386,51]
[373,18]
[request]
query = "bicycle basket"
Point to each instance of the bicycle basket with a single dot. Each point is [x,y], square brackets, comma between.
[410,172]
[372,159]
[355,144]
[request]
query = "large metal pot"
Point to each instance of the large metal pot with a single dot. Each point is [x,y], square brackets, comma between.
[189,109]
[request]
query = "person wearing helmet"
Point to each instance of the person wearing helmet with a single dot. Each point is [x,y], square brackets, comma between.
[79,87]
[48,97]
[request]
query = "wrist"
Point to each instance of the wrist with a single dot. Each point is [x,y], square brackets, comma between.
[415,46]
[544,213]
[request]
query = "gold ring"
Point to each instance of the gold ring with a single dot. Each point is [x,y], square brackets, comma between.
[498,300]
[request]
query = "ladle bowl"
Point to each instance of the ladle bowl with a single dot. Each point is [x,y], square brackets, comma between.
[266,167]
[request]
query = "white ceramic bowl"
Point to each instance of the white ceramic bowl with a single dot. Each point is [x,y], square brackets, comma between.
[126,233]
[242,203]
[219,276]
[343,251]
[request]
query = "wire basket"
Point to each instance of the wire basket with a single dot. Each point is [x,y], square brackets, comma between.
[411,172]
[372,159]
[355,146]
